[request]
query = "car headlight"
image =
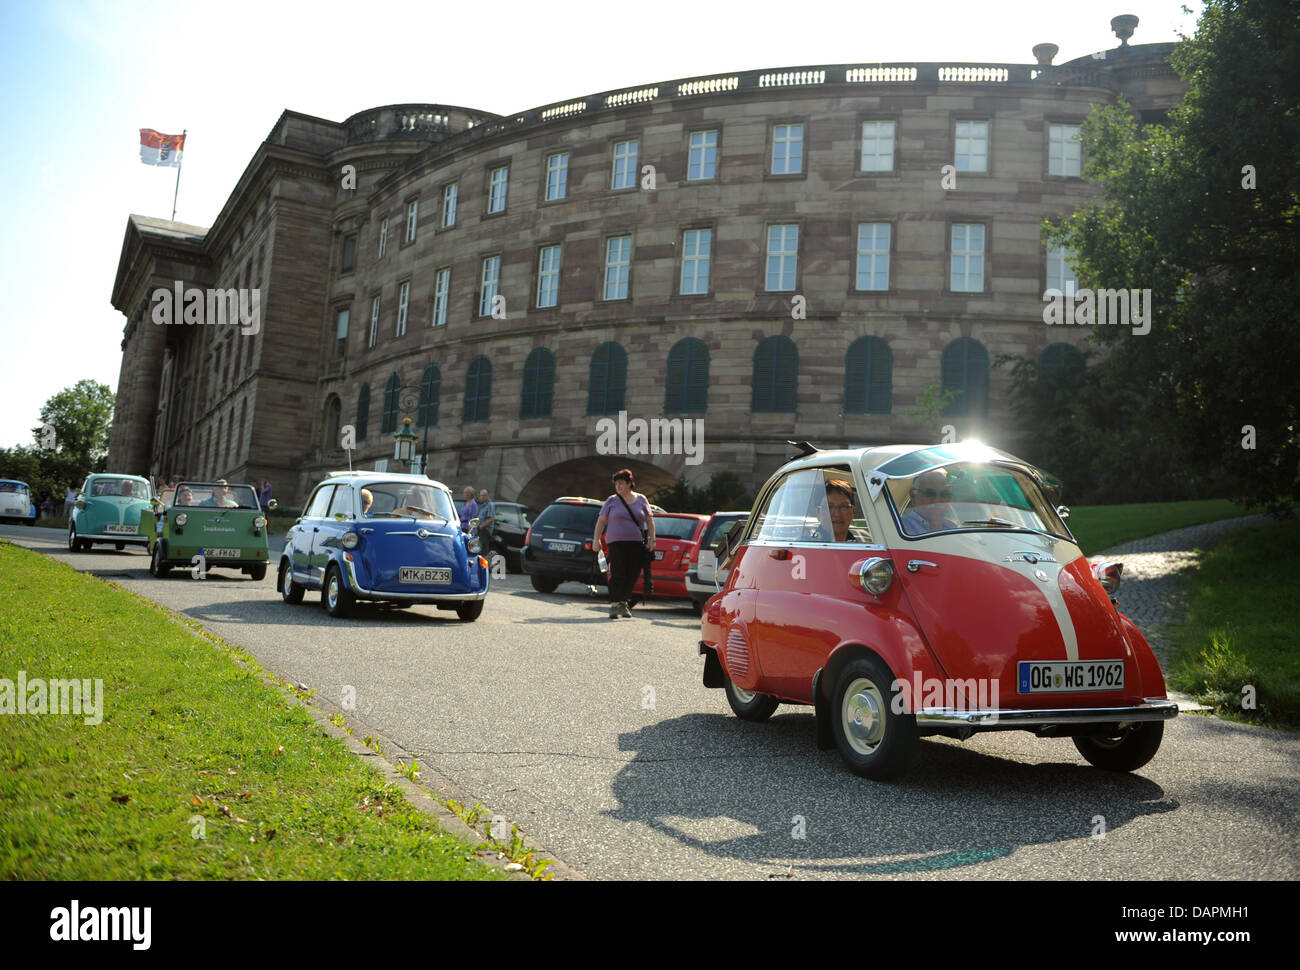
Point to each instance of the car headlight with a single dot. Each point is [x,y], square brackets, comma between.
[876,575]
[473,544]
[351,540]
[259,523]
[182,519]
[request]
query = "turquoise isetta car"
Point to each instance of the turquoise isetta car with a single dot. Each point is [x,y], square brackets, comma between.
[108,509]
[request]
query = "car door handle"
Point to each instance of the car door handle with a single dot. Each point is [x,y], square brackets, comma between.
[914,565]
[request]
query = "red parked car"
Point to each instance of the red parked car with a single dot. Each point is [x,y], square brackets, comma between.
[677,540]
[905,591]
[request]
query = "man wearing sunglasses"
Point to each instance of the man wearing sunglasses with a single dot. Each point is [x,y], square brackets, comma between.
[931,503]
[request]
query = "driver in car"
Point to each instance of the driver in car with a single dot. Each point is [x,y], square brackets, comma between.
[931,505]
[221,496]
[419,499]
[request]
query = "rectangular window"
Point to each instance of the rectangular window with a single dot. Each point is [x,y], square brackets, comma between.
[383,238]
[618,267]
[497,189]
[557,176]
[787,149]
[625,165]
[449,205]
[873,256]
[703,161]
[972,146]
[1064,150]
[403,300]
[967,258]
[782,257]
[341,334]
[374,321]
[488,285]
[1060,275]
[349,253]
[441,289]
[412,217]
[878,146]
[548,276]
[696,246]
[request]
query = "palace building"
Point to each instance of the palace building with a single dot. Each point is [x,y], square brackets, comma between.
[812,253]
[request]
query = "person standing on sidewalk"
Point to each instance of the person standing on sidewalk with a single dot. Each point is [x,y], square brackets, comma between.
[626,520]
[469,510]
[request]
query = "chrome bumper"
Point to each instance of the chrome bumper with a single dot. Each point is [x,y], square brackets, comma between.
[1151,709]
[360,592]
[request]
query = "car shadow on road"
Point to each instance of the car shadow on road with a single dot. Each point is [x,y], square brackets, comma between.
[763,792]
[273,610]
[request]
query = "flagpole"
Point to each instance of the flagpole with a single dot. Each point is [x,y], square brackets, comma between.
[184,131]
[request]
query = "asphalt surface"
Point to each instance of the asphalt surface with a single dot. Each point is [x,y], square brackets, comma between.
[597,738]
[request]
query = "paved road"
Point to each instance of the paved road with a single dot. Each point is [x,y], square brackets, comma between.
[598,739]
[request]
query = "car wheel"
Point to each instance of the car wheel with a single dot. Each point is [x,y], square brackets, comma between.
[258,572]
[74,544]
[469,612]
[544,584]
[514,561]
[157,565]
[698,606]
[747,705]
[335,596]
[290,591]
[1127,751]
[874,740]
[119,546]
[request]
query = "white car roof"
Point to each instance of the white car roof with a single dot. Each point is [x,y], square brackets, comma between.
[368,477]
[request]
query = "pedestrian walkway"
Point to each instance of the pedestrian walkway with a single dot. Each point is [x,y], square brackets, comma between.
[1150,591]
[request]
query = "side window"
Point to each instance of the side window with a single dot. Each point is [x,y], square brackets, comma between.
[506,515]
[319,503]
[342,504]
[813,505]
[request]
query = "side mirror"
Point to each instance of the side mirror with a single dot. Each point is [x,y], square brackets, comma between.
[272,505]
[473,524]
[1063,512]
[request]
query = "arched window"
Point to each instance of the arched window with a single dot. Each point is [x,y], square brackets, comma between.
[1059,357]
[966,370]
[687,389]
[333,420]
[607,384]
[363,411]
[868,377]
[776,376]
[391,391]
[1060,372]
[539,384]
[478,390]
[430,397]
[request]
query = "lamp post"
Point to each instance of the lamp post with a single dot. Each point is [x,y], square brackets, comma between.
[409,400]
[404,444]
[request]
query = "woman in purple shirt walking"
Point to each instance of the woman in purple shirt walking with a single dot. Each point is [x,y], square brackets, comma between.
[626,521]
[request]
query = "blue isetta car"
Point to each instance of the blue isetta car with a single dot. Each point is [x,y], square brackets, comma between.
[387,537]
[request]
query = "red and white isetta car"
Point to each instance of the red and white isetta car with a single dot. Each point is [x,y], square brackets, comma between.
[914,590]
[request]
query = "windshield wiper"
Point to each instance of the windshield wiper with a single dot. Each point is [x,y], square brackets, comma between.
[1008,524]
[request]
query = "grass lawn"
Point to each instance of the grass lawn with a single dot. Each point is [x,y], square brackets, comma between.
[198,770]
[1240,630]
[1099,527]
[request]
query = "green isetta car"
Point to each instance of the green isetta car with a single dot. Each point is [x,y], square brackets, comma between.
[223,524]
[109,509]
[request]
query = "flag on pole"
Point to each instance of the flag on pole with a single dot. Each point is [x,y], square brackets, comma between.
[159,149]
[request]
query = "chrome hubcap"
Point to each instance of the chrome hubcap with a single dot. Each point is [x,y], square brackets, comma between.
[334,591]
[286,581]
[864,716]
[742,695]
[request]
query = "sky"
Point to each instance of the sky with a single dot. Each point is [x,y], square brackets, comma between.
[79,79]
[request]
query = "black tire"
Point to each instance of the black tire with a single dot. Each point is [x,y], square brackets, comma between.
[544,584]
[469,612]
[1126,751]
[74,544]
[290,591]
[698,606]
[884,745]
[514,561]
[334,596]
[119,546]
[747,705]
[258,572]
[158,567]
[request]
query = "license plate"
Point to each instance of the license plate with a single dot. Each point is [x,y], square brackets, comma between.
[561,546]
[221,553]
[1060,676]
[424,575]
[659,554]
[16,511]
[128,530]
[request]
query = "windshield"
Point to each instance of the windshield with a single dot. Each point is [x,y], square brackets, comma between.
[674,528]
[210,495]
[118,487]
[15,487]
[971,496]
[569,518]
[419,501]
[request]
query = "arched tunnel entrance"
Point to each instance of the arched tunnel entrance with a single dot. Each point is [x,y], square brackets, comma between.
[590,477]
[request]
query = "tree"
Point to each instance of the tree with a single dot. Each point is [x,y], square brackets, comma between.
[725,492]
[82,416]
[1204,213]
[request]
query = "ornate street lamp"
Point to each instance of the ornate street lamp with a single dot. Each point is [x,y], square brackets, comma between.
[409,398]
[404,447]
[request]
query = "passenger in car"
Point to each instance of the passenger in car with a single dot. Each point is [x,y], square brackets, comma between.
[367,500]
[842,505]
